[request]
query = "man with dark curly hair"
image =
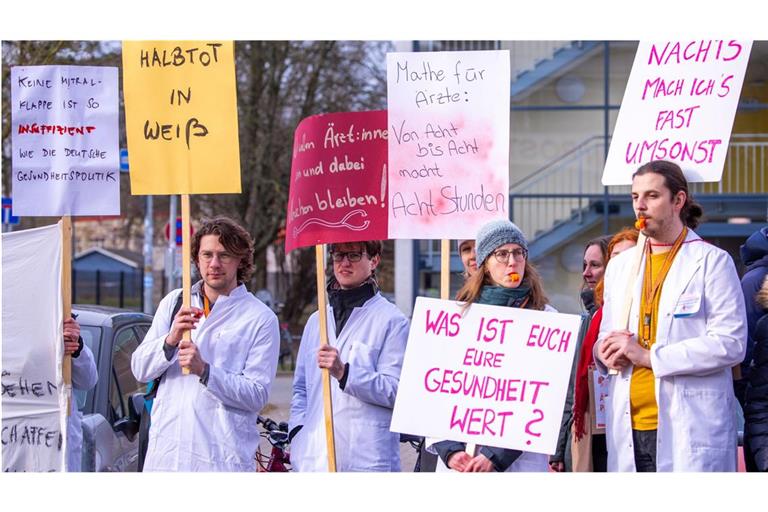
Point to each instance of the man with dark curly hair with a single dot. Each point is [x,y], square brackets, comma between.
[206,420]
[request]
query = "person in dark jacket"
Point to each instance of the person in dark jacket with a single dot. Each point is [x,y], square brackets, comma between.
[504,277]
[756,407]
[754,255]
[595,260]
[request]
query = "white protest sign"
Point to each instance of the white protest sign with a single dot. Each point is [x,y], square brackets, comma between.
[600,389]
[65,143]
[496,376]
[679,105]
[448,123]
[33,397]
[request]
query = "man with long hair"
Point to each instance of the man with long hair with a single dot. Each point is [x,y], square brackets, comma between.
[671,407]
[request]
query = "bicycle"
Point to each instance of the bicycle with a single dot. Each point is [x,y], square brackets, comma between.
[425,461]
[279,458]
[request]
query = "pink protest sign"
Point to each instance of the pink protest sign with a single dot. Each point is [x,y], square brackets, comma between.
[338,179]
[494,376]
[448,142]
[679,105]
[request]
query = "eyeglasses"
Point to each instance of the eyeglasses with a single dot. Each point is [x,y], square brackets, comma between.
[224,257]
[502,255]
[352,256]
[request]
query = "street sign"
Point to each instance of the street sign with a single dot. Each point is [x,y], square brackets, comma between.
[8,217]
[123,160]
[178,231]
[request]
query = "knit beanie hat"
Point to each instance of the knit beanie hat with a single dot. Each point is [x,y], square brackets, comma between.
[459,242]
[495,234]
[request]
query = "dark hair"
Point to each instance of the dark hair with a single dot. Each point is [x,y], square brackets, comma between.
[473,286]
[372,247]
[602,243]
[233,237]
[675,181]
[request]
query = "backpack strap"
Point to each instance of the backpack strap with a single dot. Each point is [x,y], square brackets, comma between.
[155,384]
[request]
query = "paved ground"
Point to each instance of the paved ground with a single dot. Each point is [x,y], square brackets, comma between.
[278,409]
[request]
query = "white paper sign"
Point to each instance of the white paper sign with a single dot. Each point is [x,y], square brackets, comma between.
[496,376]
[33,396]
[601,388]
[679,105]
[448,133]
[65,144]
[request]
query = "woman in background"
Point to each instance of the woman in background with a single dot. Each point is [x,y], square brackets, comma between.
[593,268]
[588,450]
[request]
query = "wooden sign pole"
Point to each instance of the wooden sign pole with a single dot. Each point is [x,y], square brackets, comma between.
[630,290]
[186,278]
[66,297]
[445,292]
[326,375]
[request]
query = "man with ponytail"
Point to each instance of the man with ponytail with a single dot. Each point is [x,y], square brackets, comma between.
[671,406]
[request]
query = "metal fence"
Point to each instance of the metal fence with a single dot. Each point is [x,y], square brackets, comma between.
[557,192]
[117,289]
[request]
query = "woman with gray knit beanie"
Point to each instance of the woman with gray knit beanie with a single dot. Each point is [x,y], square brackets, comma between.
[504,277]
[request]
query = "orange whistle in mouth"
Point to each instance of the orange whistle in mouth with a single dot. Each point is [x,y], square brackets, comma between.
[513,276]
[640,223]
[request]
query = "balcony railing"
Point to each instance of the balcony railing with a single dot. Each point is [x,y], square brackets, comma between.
[536,207]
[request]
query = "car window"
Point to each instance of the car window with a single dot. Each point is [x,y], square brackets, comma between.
[92,339]
[142,329]
[123,384]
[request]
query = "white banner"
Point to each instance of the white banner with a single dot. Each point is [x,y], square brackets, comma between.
[448,133]
[66,155]
[679,105]
[33,397]
[497,376]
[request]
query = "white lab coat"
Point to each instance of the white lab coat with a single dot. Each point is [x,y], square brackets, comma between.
[84,377]
[700,335]
[210,428]
[373,343]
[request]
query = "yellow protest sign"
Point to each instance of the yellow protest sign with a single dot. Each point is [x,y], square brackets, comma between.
[181,117]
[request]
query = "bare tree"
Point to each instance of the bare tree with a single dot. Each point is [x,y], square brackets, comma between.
[279,84]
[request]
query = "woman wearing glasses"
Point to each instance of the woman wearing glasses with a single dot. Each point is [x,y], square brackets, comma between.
[504,277]
[364,355]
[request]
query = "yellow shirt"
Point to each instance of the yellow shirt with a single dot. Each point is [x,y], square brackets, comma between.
[642,390]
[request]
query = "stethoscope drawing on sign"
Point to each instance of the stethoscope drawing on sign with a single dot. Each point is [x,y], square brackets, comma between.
[343,223]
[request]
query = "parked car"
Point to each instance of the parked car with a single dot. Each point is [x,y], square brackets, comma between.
[112,409]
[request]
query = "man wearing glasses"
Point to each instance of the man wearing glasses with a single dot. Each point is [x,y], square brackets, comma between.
[205,420]
[366,343]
